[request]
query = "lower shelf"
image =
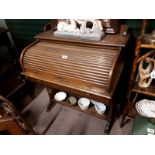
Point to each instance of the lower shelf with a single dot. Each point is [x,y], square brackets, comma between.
[90,111]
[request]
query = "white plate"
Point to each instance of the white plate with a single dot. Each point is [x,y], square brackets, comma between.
[146,108]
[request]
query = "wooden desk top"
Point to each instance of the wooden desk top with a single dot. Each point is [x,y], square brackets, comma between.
[116,40]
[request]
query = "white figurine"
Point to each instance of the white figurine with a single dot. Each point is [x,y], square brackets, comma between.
[97,25]
[72,27]
[78,28]
[64,26]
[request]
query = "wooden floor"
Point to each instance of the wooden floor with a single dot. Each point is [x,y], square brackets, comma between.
[62,120]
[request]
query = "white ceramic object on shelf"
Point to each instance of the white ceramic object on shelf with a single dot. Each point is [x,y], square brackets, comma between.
[83,103]
[146,108]
[99,107]
[72,100]
[60,96]
[94,102]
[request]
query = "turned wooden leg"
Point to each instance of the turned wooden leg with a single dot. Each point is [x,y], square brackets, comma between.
[51,93]
[110,122]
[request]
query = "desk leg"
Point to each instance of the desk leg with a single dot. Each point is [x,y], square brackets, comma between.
[51,93]
[110,122]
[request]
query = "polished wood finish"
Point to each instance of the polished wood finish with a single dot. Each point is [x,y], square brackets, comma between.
[117,40]
[83,68]
[147,46]
[83,63]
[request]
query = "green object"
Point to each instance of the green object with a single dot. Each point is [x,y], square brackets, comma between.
[143,126]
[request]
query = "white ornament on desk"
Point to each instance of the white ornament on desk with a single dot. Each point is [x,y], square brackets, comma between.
[72,27]
[78,28]
[83,28]
[64,26]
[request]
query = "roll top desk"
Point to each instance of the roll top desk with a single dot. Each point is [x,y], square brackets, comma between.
[83,68]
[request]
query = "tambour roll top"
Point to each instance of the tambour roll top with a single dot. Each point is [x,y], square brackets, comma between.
[86,66]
